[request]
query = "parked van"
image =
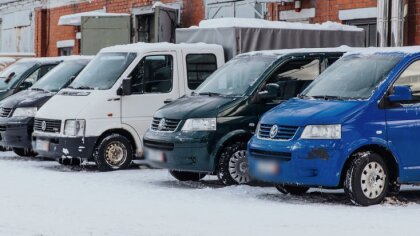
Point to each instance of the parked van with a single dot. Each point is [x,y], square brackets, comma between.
[18,110]
[24,73]
[104,113]
[207,132]
[356,127]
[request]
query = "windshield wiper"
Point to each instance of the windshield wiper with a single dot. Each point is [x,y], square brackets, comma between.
[38,89]
[210,94]
[326,97]
[83,87]
[303,96]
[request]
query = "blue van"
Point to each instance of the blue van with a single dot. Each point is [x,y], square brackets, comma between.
[357,127]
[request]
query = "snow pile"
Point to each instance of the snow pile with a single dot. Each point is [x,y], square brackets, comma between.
[161,4]
[44,198]
[259,23]
[76,19]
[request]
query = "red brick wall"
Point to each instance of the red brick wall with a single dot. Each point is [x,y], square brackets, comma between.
[49,31]
[327,10]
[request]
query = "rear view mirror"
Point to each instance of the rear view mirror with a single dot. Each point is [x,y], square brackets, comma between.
[125,88]
[401,94]
[270,92]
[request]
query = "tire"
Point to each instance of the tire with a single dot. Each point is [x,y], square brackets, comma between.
[24,152]
[291,189]
[186,176]
[232,167]
[114,152]
[367,179]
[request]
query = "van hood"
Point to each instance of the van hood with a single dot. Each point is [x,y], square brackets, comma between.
[65,105]
[302,112]
[27,98]
[200,106]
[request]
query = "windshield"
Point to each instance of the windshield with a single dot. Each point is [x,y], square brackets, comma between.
[235,77]
[352,77]
[60,76]
[103,71]
[12,73]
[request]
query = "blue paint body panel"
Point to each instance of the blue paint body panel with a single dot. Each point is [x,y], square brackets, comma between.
[363,122]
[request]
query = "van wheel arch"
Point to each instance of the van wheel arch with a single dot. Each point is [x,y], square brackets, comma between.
[384,152]
[121,132]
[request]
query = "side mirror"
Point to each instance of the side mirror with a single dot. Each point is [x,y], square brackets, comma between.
[400,94]
[25,85]
[270,92]
[125,88]
[72,79]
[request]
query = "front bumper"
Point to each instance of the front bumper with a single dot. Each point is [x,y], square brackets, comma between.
[15,132]
[64,147]
[179,151]
[315,163]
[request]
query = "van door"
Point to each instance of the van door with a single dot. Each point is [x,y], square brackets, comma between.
[403,126]
[292,77]
[154,82]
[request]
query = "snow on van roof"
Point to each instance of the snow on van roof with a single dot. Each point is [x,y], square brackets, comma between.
[138,47]
[53,59]
[301,50]
[260,23]
[375,50]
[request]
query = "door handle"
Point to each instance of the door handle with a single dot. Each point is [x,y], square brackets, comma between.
[168,101]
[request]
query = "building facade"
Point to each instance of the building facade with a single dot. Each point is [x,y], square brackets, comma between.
[34,25]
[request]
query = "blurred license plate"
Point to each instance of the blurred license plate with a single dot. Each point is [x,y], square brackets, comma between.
[268,167]
[42,145]
[155,155]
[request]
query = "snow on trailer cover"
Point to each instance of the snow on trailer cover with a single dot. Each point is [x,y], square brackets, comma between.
[238,35]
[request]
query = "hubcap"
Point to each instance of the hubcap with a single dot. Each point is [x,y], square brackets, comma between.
[373,180]
[115,154]
[238,167]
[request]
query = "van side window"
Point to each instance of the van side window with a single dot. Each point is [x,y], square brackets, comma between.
[38,73]
[294,76]
[411,77]
[153,74]
[199,67]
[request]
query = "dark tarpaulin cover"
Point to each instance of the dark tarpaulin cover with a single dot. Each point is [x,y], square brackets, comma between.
[237,40]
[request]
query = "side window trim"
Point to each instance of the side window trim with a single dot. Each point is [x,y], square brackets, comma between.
[171,56]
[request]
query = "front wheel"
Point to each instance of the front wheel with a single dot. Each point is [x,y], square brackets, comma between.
[114,152]
[367,179]
[24,152]
[233,165]
[186,176]
[293,190]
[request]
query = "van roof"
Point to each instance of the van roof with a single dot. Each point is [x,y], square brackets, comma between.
[143,47]
[44,60]
[300,50]
[375,50]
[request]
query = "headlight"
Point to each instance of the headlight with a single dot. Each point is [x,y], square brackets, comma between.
[322,132]
[202,124]
[74,127]
[25,111]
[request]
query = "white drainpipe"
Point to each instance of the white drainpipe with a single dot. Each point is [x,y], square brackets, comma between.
[383,22]
[398,22]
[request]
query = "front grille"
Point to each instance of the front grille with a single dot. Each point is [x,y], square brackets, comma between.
[165,125]
[158,145]
[285,156]
[283,132]
[5,112]
[49,126]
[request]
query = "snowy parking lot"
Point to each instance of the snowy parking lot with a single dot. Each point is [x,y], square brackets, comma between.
[43,198]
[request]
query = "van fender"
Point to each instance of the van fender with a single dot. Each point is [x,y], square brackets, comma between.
[137,139]
[358,144]
[225,139]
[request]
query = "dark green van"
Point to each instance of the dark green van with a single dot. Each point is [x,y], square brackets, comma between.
[207,132]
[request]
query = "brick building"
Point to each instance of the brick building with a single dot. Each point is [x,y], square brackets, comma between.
[51,39]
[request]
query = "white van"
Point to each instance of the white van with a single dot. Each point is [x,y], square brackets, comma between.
[104,113]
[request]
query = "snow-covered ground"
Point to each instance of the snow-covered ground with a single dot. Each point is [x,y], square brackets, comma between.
[44,198]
